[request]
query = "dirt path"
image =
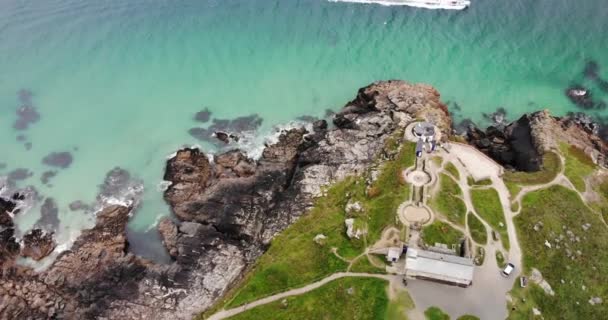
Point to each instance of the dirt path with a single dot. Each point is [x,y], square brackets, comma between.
[223,314]
[486,298]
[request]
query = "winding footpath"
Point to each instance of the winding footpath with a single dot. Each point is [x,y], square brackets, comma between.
[487,297]
[223,314]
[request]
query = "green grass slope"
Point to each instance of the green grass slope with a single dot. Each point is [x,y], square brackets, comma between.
[562,214]
[488,207]
[477,229]
[578,165]
[294,259]
[441,232]
[551,167]
[341,299]
[448,202]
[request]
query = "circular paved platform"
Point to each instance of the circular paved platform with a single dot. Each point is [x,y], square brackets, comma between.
[410,214]
[417,178]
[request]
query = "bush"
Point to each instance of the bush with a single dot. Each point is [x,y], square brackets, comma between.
[500,259]
[434,313]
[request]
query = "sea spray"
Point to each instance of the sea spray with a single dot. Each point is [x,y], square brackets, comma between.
[254,144]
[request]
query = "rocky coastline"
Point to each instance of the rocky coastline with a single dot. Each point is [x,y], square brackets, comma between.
[228,207]
[521,144]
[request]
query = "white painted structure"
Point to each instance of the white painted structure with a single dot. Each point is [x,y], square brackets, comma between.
[393,254]
[439,267]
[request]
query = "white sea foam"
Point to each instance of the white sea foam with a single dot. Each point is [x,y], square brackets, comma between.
[157,219]
[3,186]
[163,185]
[253,144]
[426,4]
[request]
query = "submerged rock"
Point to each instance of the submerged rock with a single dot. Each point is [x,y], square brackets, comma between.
[78,205]
[497,118]
[46,176]
[49,216]
[225,129]
[591,70]
[119,187]
[58,159]
[203,116]
[19,174]
[26,115]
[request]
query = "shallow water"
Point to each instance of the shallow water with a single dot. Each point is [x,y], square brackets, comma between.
[117,83]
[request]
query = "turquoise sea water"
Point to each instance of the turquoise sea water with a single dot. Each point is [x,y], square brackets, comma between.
[120,81]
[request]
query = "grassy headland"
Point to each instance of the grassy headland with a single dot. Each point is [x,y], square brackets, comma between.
[575,264]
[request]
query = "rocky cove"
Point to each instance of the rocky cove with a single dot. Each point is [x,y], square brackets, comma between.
[227,208]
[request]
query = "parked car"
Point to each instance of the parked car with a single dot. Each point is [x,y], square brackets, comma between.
[507,270]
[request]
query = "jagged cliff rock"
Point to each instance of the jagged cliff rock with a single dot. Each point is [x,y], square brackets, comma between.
[521,144]
[9,247]
[37,244]
[228,208]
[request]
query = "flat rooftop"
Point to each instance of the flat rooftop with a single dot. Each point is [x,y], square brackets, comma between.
[439,266]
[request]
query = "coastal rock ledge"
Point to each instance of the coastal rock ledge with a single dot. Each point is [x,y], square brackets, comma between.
[227,209]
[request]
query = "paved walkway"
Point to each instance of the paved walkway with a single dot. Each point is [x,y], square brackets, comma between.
[486,298]
[478,164]
[223,314]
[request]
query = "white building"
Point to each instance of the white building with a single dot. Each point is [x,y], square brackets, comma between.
[393,254]
[439,267]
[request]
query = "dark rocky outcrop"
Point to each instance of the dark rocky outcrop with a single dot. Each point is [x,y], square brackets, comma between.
[511,145]
[9,247]
[235,205]
[168,232]
[82,282]
[521,144]
[228,207]
[37,244]
[225,130]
